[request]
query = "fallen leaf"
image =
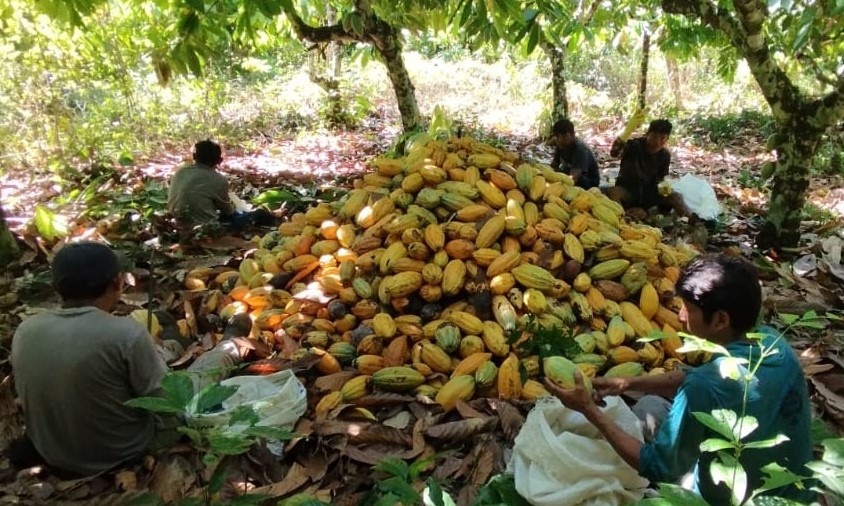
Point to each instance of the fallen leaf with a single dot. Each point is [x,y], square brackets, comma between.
[511,419]
[172,478]
[296,477]
[461,430]
[377,434]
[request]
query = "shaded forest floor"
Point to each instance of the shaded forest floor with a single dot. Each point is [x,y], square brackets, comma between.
[120,204]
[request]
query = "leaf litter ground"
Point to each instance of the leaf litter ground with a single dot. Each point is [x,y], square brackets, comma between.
[333,456]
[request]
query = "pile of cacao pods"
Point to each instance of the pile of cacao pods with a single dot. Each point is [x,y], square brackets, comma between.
[420,277]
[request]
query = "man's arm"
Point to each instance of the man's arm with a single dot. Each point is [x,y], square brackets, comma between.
[665,385]
[665,163]
[627,446]
[557,161]
[221,198]
[617,148]
[578,399]
[146,367]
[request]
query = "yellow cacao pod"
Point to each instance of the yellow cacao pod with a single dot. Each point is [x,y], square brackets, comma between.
[509,379]
[459,388]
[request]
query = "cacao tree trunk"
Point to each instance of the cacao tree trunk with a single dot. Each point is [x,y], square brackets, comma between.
[557,57]
[643,71]
[675,81]
[796,147]
[9,250]
[801,120]
[383,37]
[388,46]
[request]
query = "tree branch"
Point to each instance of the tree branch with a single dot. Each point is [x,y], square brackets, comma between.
[317,34]
[747,36]
[586,18]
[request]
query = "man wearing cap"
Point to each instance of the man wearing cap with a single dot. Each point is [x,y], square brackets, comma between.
[644,166]
[74,368]
[199,195]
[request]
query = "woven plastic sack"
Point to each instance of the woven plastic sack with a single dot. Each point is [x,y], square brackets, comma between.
[279,399]
[561,459]
[698,196]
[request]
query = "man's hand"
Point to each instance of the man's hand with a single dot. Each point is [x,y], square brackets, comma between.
[610,386]
[634,123]
[577,398]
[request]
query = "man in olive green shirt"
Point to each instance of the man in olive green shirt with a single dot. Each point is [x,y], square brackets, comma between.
[199,195]
[75,368]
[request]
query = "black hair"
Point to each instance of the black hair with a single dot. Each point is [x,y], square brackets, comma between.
[660,126]
[207,152]
[722,283]
[562,126]
[84,270]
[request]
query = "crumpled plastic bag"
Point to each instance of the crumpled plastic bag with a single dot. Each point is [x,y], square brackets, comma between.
[279,400]
[698,195]
[561,459]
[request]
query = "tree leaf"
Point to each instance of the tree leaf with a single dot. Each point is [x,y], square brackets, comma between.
[727,470]
[730,367]
[677,495]
[833,451]
[776,476]
[269,433]
[714,445]
[744,426]
[244,415]
[218,478]
[393,467]
[211,396]
[50,225]
[767,443]
[155,404]
[228,445]
[433,495]
[716,424]
[178,388]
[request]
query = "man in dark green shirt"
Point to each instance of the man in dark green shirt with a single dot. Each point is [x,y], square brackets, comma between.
[572,156]
[721,303]
[644,165]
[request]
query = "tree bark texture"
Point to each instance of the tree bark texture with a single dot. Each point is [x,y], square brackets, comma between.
[383,37]
[643,71]
[801,120]
[389,47]
[560,102]
[9,250]
[675,81]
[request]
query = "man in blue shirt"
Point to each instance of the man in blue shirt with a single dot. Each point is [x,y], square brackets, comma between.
[721,302]
[572,156]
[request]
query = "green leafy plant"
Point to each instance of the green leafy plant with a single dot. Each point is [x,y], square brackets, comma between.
[732,430]
[398,486]
[216,443]
[500,490]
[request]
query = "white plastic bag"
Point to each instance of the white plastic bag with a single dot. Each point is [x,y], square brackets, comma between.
[561,459]
[279,399]
[698,196]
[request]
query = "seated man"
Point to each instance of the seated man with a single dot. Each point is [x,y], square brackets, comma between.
[572,156]
[199,195]
[644,165]
[75,368]
[721,302]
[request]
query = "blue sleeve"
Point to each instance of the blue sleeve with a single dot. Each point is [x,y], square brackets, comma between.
[676,447]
